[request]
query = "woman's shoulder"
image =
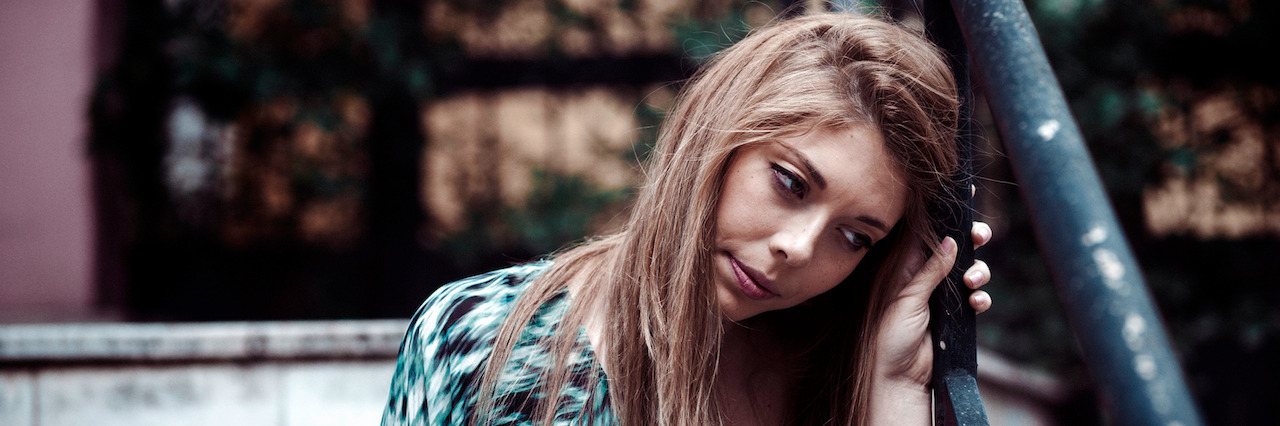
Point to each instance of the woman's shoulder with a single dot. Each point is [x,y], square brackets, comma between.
[446,343]
[475,304]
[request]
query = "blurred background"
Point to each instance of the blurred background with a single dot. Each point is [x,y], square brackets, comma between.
[187,161]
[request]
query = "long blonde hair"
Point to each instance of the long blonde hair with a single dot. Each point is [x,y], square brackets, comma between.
[653,277]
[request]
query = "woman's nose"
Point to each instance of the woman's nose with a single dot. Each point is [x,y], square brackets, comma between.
[796,240]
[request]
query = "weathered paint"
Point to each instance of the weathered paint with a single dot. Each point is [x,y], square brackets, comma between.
[1049,129]
[1098,277]
[1094,237]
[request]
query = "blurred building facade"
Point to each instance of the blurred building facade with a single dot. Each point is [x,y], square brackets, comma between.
[46,212]
[319,159]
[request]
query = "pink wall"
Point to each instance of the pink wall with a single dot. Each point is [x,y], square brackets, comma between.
[46,211]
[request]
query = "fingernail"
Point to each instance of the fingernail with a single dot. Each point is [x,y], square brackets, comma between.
[948,245]
[973,277]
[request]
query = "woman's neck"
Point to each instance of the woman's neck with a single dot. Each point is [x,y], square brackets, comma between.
[755,383]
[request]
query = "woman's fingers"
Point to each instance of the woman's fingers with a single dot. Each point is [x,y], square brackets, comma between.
[981,234]
[977,275]
[934,270]
[980,301]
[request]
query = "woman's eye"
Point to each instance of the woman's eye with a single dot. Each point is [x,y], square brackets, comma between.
[788,181]
[857,241]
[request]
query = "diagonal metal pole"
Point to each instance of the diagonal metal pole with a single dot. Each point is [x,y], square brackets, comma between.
[1099,284]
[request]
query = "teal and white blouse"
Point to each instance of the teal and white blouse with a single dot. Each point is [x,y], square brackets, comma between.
[441,359]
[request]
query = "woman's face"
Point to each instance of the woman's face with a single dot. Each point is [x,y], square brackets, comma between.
[797,214]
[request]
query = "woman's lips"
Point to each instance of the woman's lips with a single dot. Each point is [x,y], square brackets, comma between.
[752,284]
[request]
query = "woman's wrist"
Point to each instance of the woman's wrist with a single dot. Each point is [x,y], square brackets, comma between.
[900,402]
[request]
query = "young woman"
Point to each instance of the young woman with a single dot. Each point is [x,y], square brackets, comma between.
[775,270]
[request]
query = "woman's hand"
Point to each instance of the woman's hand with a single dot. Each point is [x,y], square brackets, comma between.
[903,348]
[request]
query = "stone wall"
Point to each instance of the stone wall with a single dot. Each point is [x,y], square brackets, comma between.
[280,373]
[243,374]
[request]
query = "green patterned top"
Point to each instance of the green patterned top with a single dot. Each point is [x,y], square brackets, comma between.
[440,366]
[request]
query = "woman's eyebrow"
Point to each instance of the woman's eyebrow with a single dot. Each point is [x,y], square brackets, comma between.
[822,183]
[873,222]
[808,165]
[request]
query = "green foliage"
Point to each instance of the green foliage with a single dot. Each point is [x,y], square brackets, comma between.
[701,39]
[559,210]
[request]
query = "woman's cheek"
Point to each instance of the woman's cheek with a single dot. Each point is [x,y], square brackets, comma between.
[836,274]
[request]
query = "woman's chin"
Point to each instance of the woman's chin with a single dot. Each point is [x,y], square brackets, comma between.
[739,310]
[734,307]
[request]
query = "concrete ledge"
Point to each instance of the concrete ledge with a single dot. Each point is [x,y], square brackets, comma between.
[1017,396]
[126,342]
[266,394]
[284,373]
[996,371]
[240,373]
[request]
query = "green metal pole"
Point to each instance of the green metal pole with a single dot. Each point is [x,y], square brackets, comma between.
[1106,299]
